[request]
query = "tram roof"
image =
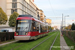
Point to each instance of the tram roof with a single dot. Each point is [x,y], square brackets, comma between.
[25,16]
[30,17]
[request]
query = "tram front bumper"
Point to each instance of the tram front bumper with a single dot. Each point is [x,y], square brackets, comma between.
[22,37]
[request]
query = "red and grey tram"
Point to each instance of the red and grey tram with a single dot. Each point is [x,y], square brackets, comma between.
[28,28]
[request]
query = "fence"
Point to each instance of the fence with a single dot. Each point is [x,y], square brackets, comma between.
[70,34]
[4,36]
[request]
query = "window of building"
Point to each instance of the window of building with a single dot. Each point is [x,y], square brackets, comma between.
[13,10]
[14,0]
[14,5]
[25,9]
[22,12]
[22,7]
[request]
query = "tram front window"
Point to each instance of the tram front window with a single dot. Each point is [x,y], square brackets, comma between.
[22,25]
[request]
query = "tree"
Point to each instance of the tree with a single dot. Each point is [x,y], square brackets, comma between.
[73,26]
[12,19]
[69,27]
[3,17]
[66,27]
[49,27]
[52,28]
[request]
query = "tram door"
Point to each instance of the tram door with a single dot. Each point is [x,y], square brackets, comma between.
[33,26]
[39,28]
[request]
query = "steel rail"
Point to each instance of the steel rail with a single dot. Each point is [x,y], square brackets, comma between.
[41,42]
[53,42]
[17,46]
[33,47]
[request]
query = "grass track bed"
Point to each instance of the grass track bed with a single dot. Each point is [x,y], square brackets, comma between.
[57,43]
[46,45]
[32,44]
[25,45]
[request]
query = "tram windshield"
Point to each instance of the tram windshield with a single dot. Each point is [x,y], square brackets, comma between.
[22,25]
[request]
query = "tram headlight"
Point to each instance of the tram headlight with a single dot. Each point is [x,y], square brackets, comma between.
[26,33]
[16,33]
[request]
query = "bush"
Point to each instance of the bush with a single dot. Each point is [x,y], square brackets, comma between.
[12,19]
[3,17]
[70,34]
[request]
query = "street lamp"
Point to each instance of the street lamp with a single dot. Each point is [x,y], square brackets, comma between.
[65,19]
[64,23]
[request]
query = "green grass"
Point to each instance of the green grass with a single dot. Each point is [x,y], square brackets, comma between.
[32,44]
[57,43]
[46,45]
[69,42]
[27,45]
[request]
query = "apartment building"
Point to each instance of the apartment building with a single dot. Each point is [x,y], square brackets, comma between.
[42,16]
[20,6]
[48,21]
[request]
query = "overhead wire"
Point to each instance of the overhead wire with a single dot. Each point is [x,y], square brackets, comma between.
[51,6]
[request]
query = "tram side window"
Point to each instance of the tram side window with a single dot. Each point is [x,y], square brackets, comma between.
[43,28]
[33,26]
[37,26]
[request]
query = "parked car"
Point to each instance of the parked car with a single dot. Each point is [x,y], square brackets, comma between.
[6,30]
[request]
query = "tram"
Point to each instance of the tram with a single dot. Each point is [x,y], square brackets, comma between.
[28,28]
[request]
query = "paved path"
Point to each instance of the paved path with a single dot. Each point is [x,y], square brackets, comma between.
[63,43]
[8,43]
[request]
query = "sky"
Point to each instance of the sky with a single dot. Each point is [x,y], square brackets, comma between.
[53,9]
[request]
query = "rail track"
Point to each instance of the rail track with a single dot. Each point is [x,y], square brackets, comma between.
[44,41]
[53,42]
[20,45]
[17,46]
[33,47]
